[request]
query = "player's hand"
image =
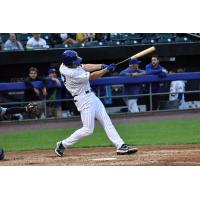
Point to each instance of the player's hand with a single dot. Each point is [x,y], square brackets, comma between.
[103,66]
[164,70]
[44,91]
[135,74]
[111,68]
[37,92]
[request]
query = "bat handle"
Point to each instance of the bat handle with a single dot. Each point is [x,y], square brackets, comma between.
[122,61]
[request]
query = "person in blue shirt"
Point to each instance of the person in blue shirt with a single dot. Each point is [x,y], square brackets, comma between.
[54,94]
[154,68]
[132,89]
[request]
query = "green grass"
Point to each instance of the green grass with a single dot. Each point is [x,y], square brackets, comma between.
[185,131]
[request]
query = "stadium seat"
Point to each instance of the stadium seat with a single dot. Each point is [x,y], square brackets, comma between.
[121,37]
[4,36]
[77,45]
[148,41]
[182,39]
[165,40]
[165,35]
[61,46]
[23,36]
[114,43]
[91,44]
[131,42]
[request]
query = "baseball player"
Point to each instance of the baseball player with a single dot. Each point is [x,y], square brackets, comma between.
[6,112]
[76,78]
[177,89]
[135,89]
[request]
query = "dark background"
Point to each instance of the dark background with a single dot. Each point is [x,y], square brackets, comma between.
[14,65]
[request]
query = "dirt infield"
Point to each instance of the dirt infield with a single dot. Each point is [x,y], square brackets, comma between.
[105,156]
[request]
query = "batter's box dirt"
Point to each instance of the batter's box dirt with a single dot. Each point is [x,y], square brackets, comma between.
[164,155]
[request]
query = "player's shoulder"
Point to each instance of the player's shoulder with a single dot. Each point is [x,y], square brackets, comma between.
[148,65]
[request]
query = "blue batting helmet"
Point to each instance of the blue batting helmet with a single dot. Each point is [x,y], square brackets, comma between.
[70,57]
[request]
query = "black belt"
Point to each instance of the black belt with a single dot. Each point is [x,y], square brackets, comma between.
[86,92]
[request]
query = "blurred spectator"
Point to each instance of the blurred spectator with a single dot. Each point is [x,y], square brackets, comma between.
[12,44]
[83,37]
[56,38]
[54,94]
[68,38]
[36,42]
[1,44]
[177,89]
[102,37]
[132,89]
[154,68]
[32,93]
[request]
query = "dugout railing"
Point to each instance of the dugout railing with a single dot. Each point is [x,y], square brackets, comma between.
[105,81]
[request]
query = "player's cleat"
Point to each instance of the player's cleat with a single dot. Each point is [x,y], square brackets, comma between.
[125,149]
[59,150]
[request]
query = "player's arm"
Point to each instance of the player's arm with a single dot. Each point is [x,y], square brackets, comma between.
[100,73]
[92,67]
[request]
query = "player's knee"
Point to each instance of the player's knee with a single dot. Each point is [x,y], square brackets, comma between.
[88,131]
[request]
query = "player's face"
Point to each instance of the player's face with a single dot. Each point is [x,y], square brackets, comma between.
[36,35]
[53,75]
[33,74]
[12,37]
[154,61]
[134,66]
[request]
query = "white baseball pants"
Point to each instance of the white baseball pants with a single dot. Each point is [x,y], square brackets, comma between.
[90,108]
[132,105]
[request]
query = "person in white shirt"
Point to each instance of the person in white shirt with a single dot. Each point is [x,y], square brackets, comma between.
[177,89]
[76,78]
[12,44]
[36,42]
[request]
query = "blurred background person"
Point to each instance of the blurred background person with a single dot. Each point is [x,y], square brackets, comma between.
[68,38]
[177,89]
[36,42]
[55,38]
[1,44]
[132,89]
[84,37]
[102,37]
[154,68]
[32,93]
[12,44]
[54,94]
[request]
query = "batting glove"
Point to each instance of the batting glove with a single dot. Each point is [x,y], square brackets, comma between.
[103,66]
[111,68]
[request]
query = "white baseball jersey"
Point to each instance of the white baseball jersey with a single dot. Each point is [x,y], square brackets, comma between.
[175,88]
[76,80]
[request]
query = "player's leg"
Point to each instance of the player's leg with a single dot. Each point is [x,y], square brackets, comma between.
[88,120]
[132,105]
[105,121]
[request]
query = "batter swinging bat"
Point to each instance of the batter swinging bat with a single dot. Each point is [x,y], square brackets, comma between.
[138,55]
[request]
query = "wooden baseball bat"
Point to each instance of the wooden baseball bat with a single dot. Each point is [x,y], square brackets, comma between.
[138,55]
